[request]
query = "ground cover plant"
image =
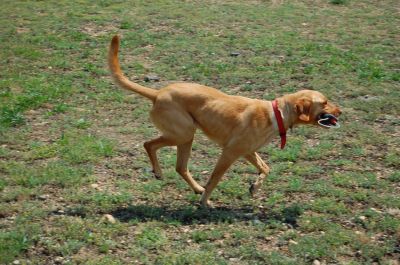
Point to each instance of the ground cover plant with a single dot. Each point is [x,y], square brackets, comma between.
[75,182]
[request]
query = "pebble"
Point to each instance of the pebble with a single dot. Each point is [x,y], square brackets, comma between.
[269,238]
[16,262]
[94,185]
[316,262]
[235,54]
[291,241]
[58,260]
[44,197]
[362,218]
[109,218]
[149,78]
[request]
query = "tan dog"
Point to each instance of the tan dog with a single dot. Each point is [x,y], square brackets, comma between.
[239,125]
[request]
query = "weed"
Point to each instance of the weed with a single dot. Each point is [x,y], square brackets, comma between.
[55,173]
[329,205]
[12,244]
[151,238]
[78,149]
[395,177]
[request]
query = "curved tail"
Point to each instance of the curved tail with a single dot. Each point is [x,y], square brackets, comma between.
[119,77]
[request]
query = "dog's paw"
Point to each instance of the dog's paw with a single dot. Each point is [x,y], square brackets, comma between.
[253,189]
[199,190]
[157,175]
[206,204]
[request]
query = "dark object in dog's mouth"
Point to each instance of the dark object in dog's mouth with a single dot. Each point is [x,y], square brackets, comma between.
[328,120]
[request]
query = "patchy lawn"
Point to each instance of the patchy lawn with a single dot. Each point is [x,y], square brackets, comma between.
[71,142]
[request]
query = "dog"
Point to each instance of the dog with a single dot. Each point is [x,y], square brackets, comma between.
[239,125]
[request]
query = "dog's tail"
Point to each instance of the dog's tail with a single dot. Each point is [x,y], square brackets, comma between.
[119,77]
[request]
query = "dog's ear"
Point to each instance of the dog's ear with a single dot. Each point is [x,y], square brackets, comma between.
[303,108]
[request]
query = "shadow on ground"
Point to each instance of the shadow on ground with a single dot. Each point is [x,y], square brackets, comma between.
[195,215]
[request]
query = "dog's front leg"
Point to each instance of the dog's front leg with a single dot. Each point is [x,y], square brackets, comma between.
[256,160]
[224,162]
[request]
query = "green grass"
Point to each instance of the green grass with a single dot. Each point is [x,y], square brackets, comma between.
[71,142]
[12,244]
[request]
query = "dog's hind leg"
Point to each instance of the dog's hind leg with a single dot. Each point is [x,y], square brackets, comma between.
[182,159]
[176,126]
[256,160]
[151,149]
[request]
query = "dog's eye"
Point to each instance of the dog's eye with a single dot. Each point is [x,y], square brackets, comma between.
[325,102]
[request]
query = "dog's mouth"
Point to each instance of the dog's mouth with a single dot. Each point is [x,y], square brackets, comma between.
[328,120]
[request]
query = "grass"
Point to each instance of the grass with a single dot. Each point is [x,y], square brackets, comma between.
[71,142]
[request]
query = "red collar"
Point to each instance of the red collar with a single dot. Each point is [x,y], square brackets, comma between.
[279,120]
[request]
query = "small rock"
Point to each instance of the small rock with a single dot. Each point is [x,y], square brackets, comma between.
[362,218]
[291,241]
[16,262]
[58,260]
[94,185]
[149,78]
[43,197]
[316,262]
[375,210]
[269,238]
[235,54]
[109,218]
[234,259]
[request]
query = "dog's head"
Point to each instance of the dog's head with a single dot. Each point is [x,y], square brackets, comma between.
[312,106]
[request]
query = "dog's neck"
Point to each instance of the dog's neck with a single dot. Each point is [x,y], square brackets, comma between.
[288,111]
